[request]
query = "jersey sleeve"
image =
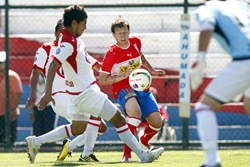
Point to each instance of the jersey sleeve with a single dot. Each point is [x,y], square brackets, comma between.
[107,62]
[40,59]
[63,52]
[205,18]
[91,60]
[137,41]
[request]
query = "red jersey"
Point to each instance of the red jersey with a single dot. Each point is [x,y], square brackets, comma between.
[117,60]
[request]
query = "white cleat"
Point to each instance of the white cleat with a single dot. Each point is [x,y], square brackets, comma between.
[32,149]
[151,155]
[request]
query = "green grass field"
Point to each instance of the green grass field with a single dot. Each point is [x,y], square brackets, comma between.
[189,158]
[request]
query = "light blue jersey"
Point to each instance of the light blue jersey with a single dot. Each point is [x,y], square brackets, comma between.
[231,23]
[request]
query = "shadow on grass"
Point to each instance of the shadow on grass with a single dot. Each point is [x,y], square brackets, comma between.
[87,163]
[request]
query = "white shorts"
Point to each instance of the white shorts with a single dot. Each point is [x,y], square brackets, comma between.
[61,104]
[89,102]
[231,81]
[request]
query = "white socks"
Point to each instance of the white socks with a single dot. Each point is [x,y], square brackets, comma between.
[91,134]
[208,132]
[88,138]
[57,134]
[128,138]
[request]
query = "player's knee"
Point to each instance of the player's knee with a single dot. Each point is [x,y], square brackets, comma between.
[155,120]
[102,127]
[118,119]
[78,128]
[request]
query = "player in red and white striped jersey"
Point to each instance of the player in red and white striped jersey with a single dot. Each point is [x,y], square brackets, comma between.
[41,64]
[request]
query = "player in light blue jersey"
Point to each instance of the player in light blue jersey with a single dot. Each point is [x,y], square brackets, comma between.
[229,23]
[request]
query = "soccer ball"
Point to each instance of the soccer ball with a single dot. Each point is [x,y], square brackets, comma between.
[140,79]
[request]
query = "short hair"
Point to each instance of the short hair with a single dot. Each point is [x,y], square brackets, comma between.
[59,25]
[74,12]
[120,22]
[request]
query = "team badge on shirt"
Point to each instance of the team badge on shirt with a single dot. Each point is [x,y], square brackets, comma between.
[58,50]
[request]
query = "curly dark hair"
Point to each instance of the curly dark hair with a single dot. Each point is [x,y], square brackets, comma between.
[74,12]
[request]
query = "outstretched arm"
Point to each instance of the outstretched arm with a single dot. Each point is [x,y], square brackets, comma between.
[106,79]
[196,76]
[152,71]
[34,77]
[47,97]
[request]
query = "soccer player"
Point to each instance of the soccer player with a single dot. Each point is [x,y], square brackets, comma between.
[120,60]
[85,97]
[229,23]
[41,65]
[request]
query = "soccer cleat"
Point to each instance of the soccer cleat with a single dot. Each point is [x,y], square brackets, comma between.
[151,155]
[65,150]
[89,158]
[126,158]
[32,149]
[217,165]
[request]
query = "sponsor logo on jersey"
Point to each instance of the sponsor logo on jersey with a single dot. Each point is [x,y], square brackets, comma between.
[134,65]
[130,54]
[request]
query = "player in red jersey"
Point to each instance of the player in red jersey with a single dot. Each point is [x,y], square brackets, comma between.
[120,60]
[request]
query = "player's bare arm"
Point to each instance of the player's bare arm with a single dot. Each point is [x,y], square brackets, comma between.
[47,97]
[34,77]
[106,79]
[154,72]
[196,75]
[204,39]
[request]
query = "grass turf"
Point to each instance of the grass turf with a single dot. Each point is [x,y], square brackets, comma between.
[187,158]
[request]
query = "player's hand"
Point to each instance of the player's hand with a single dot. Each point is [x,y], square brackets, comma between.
[30,102]
[157,73]
[196,75]
[45,99]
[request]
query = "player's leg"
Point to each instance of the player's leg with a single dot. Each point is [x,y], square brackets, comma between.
[154,125]
[208,131]
[76,128]
[112,114]
[107,110]
[130,106]
[91,134]
[227,85]
[151,113]
[80,140]
[33,142]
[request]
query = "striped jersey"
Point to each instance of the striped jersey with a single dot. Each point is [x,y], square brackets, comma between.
[42,61]
[77,64]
